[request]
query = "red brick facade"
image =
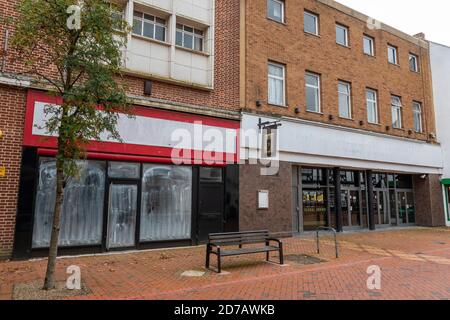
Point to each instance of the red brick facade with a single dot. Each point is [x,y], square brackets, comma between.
[12,113]
[288,44]
[12,102]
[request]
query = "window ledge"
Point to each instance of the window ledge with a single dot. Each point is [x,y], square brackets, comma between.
[206,54]
[275,20]
[277,105]
[312,34]
[399,129]
[315,112]
[374,124]
[415,72]
[345,118]
[394,64]
[167,44]
[369,55]
[343,45]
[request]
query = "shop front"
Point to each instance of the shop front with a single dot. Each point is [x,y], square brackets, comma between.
[128,195]
[314,191]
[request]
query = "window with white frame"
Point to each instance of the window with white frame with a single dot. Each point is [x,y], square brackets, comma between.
[189,37]
[311,23]
[413,63]
[277,84]
[392,54]
[312,92]
[417,115]
[342,35]
[275,10]
[345,101]
[369,45]
[372,106]
[396,106]
[149,26]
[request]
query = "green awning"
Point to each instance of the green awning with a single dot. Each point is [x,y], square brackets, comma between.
[445,182]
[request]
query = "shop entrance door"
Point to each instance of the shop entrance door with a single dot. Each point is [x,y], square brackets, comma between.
[122,213]
[210,202]
[314,209]
[381,208]
[406,208]
[351,208]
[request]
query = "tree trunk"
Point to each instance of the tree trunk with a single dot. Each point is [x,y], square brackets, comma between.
[49,283]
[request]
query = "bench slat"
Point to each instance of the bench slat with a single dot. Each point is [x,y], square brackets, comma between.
[247,251]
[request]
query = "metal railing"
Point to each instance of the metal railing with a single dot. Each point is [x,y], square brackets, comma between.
[318,230]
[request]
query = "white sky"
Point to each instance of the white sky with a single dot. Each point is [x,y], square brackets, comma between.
[410,16]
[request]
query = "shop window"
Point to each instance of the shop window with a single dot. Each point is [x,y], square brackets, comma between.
[379,180]
[124,170]
[82,212]
[349,178]
[166,203]
[313,176]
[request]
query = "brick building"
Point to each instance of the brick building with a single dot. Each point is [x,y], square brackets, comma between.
[356,148]
[131,195]
[357,142]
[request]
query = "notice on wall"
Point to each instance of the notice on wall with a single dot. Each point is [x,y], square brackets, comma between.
[263,199]
[2,172]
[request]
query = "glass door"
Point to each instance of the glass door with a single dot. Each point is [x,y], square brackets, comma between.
[314,209]
[381,207]
[122,212]
[355,209]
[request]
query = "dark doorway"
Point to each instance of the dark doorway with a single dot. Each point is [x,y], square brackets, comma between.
[210,202]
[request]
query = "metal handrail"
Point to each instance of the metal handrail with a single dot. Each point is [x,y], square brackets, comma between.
[318,230]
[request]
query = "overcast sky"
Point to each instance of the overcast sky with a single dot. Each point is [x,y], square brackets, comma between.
[411,16]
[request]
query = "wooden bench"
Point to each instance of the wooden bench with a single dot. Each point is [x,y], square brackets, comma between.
[219,240]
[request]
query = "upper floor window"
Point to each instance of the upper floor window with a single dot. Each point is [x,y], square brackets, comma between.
[345,104]
[413,63]
[341,35]
[396,106]
[189,37]
[392,54]
[275,10]
[311,23]
[369,45]
[312,92]
[372,106]
[417,115]
[149,26]
[277,84]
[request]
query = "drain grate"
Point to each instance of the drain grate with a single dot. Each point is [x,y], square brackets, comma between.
[303,259]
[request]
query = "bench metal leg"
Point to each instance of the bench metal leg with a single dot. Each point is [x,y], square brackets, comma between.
[267,253]
[219,266]
[281,254]
[208,253]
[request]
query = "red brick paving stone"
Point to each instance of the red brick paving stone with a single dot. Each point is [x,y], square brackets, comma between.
[157,274]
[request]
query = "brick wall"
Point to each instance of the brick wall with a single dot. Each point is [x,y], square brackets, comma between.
[288,44]
[278,218]
[12,115]
[429,201]
[226,76]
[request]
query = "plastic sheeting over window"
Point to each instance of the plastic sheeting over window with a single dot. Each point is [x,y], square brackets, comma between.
[166,203]
[81,219]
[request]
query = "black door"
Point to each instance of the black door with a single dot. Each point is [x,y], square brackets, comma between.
[210,202]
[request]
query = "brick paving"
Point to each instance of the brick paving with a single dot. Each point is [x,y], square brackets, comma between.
[415,264]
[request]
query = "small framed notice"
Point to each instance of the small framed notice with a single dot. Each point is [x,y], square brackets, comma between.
[2,172]
[263,199]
